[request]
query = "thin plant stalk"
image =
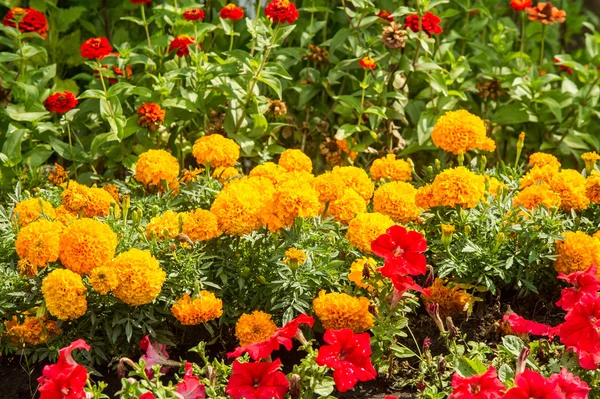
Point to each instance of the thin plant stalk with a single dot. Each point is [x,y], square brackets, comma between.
[522,49]
[543,43]
[146,26]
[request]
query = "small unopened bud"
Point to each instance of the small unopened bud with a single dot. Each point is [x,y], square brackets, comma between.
[211,375]
[441,366]
[295,386]
[429,169]
[426,343]
[438,164]
[420,385]
[125,204]
[447,233]
[141,230]
[430,277]
[136,217]
[155,210]
[411,164]
[467,230]
[121,369]
[482,163]
[451,327]
[500,238]
[521,141]
[461,159]
[522,361]
[434,311]
[180,219]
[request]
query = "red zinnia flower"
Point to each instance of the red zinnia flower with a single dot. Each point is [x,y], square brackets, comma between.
[579,332]
[402,250]
[532,385]
[151,116]
[520,5]
[31,20]
[385,14]
[349,355]
[281,11]
[61,102]
[258,380]
[429,23]
[95,48]
[368,63]
[562,67]
[232,12]
[583,283]
[66,378]
[190,387]
[156,353]
[194,14]
[141,1]
[181,43]
[282,336]
[570,386]
[479,386]
[523,326]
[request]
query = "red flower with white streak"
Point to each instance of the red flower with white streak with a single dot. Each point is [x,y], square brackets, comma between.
[257,380]
[190,387]
[570,386]
[583,283]
[349,355]
[479,386]
[532,385]
[402,251]
[65,379]
[282,336]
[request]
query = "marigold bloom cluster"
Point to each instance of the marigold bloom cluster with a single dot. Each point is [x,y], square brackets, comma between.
[541,159]
[460,131]
[346,207]
[452,300]
[89,202]
[32,331]
[295,161]
[281,11]
[38,242]
[569,184]
[397,200]
[155,166]
[534,196]
[104,279]
[254,327]
[32,209]
[140,277]
[356,179]
[64,294]
[95,48]
[215,150]
[223,173]
[360,270]
[61,102]
[201,225]
[87,244]
[592,187]
[391,168]
[151,116]
[577,252]
[452,187]
[31,20]
[268,170]
[295,255]
[57,175]
[165,225]
[191,311]
[538,174]
[338,310]
[191,175]
[365,228]
[293,199]
[181,44]
[330,186]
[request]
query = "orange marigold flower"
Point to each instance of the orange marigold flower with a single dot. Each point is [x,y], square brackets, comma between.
[104,279]
[570,185]
[155,166]
[295,161]
[61,102]
[151,116]
[140,277]
[194,14]
[365,228]
[95,48]
[356,179]
[167,225]
[90,202]
[577,252]
[87,244]
[191,175]
[397,200]
[232,12]
[295,256]
[268,170]
[215,150]
[368,63]
[255,327]
[32,331]
[201,225]
[64,294]
[493,185]
[192,311]
[113,191]
[424,197]
[361,270]
[181,44]
[29,20]
[57,175]
[32,209]
[541,159]
[592,187]
[453,187]
[520,5]
[538,175]
[330,187]
[390,168]
[223,173]
[26,268]
[337,311]
[460,131]
[346,207]
[64,216]
[546,13]
[293,199]
[281,11]
[451,299]
[534,196]
[38,242]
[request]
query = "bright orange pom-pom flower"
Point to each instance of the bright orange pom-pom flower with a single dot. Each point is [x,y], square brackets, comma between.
[280,11]
[216,150]
[87,244]
[95,48]
[151,116]
[232,12]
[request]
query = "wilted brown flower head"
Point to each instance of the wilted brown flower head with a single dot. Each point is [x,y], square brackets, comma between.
[317,54]
[393,36]
[546,14]
[277,108]
[490,88]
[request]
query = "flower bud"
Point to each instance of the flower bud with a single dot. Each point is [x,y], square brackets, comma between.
[482,163]
[295,387]
[136,216]
[434,311]
[500,238]
[451,327]
[447,233]
[521,141]
[467,230]
[155,210]
[430,277]
[125,203]
[522,361]
[420,385]
[211,375]
[438,164]
[441,366]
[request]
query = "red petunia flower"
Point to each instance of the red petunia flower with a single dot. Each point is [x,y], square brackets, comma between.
[29,19]
[282,336]
[404,283]
[570,387]
[181,43]
[61,102]
[386,15]
[194,14]
[190,387]
[583,283]
[367,63]
[429,23]
[232,12]
[95,48]
[479,386]
[156,353]
[579,332]
[532,385]
[523,326]
[349,355]
[402,251]
[280,11]
[257,380]
[149,2]
[147,395]
[562,67]
[520,5]
[66,378]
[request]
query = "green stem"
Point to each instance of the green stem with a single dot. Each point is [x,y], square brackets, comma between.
[256,16]
[362,99]
[231,41]
[522,49]
[543,43]
[464,44]
[146,26]
[22,58]
[105,91]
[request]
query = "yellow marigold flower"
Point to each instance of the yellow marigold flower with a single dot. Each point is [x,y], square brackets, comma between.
[113,191]
[155,166]
[597,235]
[397,200]
[295,255]
[338,310]
[330,187]
[104,279]
[64,216]
[225,173]
[592,187]
[87,244]
[26,268]
[577,252]
[533,196]
[98,203]
[493,185]
[74,197]
[541,159]
[460,131]
[391,168]
[345,208]
[455,187]
[570,185]
[452,300]
[365,228]
[167,222]
[140,277]
[293,199]
[295,161]
[590,157]
[201,225]
[64,294]
[538,174]
[32,209]
[356,179]
[360,270]
[269,170]
[32,331]
[57,175]
[424,197]
[192,311]
[191,175]
[300,175]
[255,327]
[90,202]
[242,205]
[216,150]
[38,242]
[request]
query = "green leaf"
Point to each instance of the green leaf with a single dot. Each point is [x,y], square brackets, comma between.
[18,113]
[36,157]
[134,20]
[259,127]
[8,57]
[340,37]
[512,114]
[468,367]
[325,386]
[12,145]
